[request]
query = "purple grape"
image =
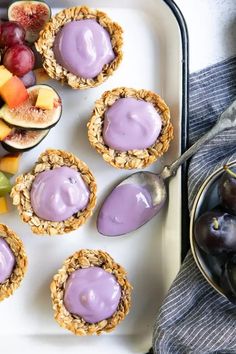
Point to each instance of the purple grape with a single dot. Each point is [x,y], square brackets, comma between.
[29,79]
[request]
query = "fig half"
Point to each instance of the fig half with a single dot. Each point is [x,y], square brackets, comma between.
[27,116]
[20,140]
[32,15]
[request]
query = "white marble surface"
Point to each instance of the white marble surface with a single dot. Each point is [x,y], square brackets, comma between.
[212,30]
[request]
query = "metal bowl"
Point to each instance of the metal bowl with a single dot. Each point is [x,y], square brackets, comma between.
[206,199]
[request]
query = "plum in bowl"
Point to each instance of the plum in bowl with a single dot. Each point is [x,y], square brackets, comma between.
[213,230]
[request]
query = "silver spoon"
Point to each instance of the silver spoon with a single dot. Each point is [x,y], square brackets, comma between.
[155,184]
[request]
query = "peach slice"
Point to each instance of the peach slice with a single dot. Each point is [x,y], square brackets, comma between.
[3,205]
[4,130]
[5,75]
[14,92]
[46,98]
[10,163]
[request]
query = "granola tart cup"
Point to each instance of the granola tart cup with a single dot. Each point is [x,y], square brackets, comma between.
[83,259]
[45,42]
[11,284]
[132,158]
[20,193]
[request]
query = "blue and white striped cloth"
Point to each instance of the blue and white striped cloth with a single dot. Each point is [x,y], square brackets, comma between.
[194,318]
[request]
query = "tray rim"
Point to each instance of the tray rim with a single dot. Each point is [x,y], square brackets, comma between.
[185,219]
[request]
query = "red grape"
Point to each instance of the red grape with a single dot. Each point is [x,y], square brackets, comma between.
[19,59]
[11,33]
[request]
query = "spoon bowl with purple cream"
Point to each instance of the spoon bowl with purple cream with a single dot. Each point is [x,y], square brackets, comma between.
[138,198]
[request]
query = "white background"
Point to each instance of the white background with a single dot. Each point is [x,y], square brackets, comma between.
[212,30]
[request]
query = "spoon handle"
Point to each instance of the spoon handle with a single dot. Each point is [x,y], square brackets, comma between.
[226,120]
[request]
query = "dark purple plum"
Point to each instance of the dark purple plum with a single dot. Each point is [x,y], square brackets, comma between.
[216,264]
[215,232]
[228,278]
[227,189]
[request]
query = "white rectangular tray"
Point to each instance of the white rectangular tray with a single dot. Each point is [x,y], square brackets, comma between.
[152,254]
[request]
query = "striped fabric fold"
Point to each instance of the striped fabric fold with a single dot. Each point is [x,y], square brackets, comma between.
[194,318]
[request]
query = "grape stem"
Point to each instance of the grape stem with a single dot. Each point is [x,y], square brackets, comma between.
[229,171]
[215,224]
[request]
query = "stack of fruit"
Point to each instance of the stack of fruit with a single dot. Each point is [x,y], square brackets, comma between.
[215,233]
[23,101]
[28,114]
[29,110]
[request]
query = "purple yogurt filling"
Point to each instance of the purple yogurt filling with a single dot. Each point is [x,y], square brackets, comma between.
[92,294]
[7,260]
[58,194]
[83,48]
[131,124]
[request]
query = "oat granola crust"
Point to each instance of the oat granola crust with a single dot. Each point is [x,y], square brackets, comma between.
[83,259]
[11,284]
[132,158]
[45,42]
[20,193]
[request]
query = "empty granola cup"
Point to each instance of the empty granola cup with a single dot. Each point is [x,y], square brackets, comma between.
[88,64]
[13,262]
[90,293]
[130,128]
[57,196]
